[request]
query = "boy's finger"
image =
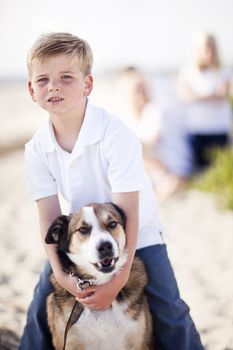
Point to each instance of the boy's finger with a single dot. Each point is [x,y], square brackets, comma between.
[88,289]
[84,294]
[91,305]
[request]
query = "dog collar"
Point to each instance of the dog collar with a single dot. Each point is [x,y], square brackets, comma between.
[81,284]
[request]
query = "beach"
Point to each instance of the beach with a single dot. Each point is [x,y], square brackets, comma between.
[198,234]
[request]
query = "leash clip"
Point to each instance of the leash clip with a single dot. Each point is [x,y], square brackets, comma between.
[81,285]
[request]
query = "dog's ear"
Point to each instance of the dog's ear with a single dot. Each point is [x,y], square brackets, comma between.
[121,213]
[58,228]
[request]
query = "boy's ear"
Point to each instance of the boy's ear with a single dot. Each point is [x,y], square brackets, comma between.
[57,230]
[88,85]
[31,91]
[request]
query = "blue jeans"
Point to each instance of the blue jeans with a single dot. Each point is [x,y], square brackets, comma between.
[203,144]
[173,326]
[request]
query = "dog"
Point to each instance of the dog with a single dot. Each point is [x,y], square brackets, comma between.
[91,245]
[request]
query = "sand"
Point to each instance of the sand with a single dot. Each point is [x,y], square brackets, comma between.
[199,240]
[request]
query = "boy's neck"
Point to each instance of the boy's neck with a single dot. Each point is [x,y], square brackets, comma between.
[67,128]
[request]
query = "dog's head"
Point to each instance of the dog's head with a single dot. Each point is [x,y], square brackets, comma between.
[93,238]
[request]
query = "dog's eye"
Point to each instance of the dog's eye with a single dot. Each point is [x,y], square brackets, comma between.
[112,224]
[84,230]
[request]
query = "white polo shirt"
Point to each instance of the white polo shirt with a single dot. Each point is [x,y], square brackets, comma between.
[106,159]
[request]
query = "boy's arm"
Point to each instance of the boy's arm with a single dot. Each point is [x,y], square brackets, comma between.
[49,209]
[100,297]
[129,202]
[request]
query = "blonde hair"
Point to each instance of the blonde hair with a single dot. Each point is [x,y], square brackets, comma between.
[209,40]
[52,44]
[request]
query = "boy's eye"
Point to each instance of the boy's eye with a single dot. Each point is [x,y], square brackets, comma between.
[42,80]
[66,77]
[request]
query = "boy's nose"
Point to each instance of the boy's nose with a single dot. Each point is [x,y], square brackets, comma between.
[54,88]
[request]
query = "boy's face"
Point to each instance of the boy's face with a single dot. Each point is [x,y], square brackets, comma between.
[58,85]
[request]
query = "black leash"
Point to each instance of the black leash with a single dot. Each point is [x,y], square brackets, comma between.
[77,308]
[74,316]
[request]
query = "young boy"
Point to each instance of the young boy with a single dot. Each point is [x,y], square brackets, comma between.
[87,155]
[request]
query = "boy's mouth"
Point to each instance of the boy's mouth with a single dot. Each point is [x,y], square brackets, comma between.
[55,99]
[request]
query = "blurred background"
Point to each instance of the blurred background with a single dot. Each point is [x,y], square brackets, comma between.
[152,34]
[141,49]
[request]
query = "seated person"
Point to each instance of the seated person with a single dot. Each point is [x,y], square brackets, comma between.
[160,129]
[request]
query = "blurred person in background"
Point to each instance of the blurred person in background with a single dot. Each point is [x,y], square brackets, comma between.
[204,88]
[160,129]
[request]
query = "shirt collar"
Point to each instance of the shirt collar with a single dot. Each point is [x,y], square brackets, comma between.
[90,132]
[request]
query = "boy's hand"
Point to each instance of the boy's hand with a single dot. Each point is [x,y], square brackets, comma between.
[100,297]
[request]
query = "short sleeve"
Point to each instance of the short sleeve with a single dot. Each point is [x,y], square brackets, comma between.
[123,153]
[40,181]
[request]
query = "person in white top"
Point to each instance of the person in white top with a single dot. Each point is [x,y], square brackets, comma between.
[159,125]
[204,87]
[87,155]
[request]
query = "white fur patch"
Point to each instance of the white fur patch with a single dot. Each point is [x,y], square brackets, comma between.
[97,235]
[110,329]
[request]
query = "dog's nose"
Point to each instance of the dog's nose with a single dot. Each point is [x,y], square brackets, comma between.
[105,249]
